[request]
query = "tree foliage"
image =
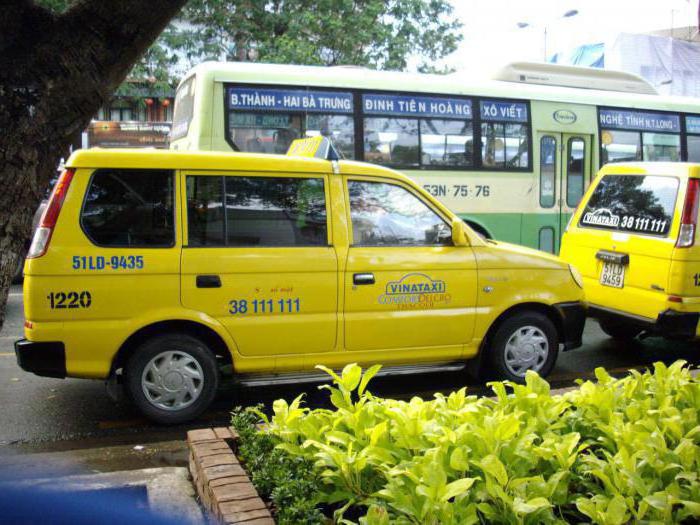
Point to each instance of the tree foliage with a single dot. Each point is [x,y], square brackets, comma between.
[391,34]
[375,33]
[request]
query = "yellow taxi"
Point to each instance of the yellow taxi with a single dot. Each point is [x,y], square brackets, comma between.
[633,238]
[161,268]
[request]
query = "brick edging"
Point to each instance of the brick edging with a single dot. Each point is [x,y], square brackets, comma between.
[222,485]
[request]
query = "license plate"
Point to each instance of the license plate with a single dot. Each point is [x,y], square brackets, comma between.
[612,275]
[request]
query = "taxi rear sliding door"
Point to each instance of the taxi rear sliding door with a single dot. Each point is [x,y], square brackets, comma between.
[258,259]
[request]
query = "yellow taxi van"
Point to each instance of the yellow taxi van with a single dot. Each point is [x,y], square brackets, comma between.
[162,268]
[633,238]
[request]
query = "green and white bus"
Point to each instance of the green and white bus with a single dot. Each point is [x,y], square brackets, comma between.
[511,155]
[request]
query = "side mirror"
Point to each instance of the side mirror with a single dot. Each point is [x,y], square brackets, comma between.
[459,234]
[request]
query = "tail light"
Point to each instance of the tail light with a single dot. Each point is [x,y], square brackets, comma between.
[689,219]
[42,235]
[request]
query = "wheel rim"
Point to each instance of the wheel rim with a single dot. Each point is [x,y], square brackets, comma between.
[172,380]
[527,349]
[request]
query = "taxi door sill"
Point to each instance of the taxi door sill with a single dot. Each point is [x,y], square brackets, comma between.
[293,378]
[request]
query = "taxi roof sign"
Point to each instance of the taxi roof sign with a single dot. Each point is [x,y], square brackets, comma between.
[318,147]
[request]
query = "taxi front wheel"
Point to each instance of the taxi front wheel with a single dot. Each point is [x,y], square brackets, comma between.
[525,341]
[172,378]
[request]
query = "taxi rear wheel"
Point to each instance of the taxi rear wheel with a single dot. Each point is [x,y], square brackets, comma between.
[619,330]
[525,341]
[172,378]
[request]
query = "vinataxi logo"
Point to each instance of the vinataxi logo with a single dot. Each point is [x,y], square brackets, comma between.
[415,291]
[601,217]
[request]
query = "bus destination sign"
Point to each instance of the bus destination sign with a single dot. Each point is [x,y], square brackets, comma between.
[407,105]
[492,110]
[289,100]
[692,124]
[639,120]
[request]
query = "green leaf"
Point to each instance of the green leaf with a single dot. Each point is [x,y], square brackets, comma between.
[330,373]
[693,507]
[458,460]
[536,384]
[493,466]
[507,428]
[617,514]
[456,488]
[376,515]
[602,376]
[530,506]
[350,377]
[588,508]
[659,501]
[337,398]
[369,374]
[377,432]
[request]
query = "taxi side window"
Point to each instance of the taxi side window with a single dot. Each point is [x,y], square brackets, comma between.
[256,211]
[130,208]
[388,215]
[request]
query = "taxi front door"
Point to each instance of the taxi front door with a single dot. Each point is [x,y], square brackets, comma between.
[406,286]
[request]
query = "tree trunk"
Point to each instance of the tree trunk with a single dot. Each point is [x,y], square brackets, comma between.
[55,73]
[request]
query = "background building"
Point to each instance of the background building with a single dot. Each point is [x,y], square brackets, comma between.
[670,63]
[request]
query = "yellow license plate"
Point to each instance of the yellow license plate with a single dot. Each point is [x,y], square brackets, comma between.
[613,274]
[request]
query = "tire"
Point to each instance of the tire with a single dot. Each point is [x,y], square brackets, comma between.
[169,363]
[536,339]
[619,330]
[18,277]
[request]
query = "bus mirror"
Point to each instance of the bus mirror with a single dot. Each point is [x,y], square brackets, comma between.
[459,233]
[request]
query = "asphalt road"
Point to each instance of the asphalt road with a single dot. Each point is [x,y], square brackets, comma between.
[45,415]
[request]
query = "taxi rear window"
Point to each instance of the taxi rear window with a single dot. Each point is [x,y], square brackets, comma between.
[130,208]
[632,203]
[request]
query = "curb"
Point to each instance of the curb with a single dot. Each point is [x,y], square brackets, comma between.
[222,484]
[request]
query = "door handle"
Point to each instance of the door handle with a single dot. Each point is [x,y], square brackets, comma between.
[208,281]
[363,278]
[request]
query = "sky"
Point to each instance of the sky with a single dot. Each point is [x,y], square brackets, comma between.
[492,36]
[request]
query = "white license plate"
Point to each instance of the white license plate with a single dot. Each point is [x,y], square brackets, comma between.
[613,274]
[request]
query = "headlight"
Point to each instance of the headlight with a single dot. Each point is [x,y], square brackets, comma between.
[576,276]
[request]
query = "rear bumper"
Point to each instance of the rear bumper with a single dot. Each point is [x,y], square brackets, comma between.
[669,323]
[47,359]
[573,317]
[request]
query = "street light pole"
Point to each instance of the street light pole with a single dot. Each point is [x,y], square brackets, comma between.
[568,14]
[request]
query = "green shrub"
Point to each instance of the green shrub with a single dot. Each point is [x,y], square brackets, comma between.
[611,452]
[288,481]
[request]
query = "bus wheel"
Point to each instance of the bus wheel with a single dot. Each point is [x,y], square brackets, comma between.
[525,341]
[172,378]
[618,330]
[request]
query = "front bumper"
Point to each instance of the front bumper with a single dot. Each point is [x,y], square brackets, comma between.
[573,319]
[47,359]
[669,323]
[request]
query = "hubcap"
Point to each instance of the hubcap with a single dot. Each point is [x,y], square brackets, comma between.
[172,380]
[527,349]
